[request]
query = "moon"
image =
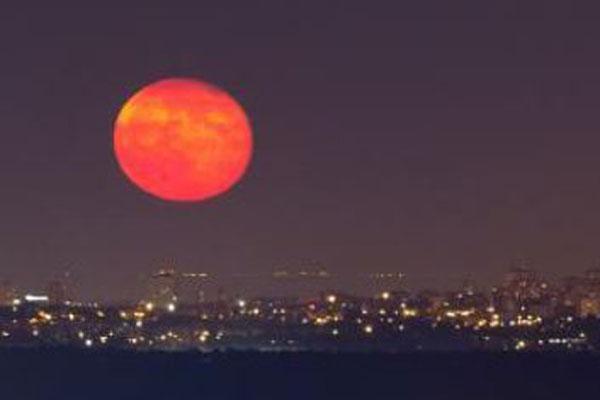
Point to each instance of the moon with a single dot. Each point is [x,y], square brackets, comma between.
[183,140]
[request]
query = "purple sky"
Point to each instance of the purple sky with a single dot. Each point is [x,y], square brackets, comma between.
[442,139]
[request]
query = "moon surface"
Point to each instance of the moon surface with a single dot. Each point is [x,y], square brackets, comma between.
[183,140]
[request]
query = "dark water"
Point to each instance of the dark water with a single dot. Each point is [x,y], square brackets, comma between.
[72,374]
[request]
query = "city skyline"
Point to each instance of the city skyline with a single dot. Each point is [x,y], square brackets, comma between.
[302,282]
[523,312]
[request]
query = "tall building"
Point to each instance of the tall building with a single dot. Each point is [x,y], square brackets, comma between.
[163,289]
[7,293]
[303,281]
[60,290]
[582,293]
[385,282]
[522,292]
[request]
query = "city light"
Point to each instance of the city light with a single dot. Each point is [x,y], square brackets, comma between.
[512,316]
[32,298]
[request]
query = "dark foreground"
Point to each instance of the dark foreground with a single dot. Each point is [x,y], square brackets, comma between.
[75,374]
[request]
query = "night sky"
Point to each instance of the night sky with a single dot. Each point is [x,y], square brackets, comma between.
[442,139]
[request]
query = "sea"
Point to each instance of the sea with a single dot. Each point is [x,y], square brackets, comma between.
[63,374]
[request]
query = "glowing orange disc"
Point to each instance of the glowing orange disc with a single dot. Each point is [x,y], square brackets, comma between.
[183,140]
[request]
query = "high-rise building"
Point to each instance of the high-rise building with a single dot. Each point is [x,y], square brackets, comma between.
[60,290]
[522,292]
[582,293]
[163,289]
[7,293]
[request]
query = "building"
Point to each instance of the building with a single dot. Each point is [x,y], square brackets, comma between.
[523,292]
[7,293]
[582,293]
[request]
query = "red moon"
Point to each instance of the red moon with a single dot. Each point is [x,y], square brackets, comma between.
[183,140]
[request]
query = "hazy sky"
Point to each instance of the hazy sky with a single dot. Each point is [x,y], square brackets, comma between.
[440,140]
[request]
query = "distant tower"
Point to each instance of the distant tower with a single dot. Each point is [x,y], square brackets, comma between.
[587,293]
[7,293]
[59,290]
[163,287]
[522,291]
[387,281]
